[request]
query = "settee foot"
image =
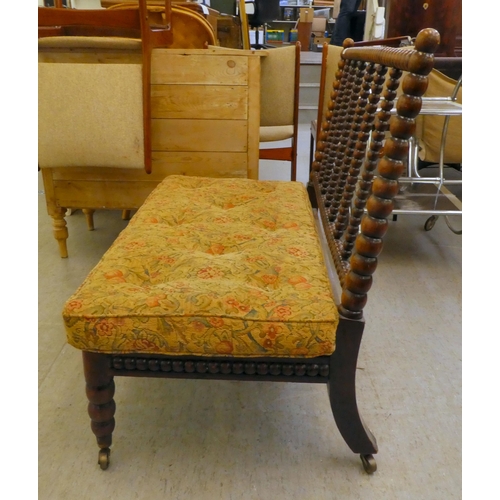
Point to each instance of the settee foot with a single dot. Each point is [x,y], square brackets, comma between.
[369,463]
[103,458]
[342,392]
[100,389]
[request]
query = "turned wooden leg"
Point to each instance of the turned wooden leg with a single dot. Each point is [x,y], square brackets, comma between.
[100,390]
[126,214]
[342,392]
[60,230]
[89,216]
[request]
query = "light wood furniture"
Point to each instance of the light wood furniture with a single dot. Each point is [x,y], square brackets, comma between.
[206,112]
[204,121]
[279,103]
[190,29]
[244,24]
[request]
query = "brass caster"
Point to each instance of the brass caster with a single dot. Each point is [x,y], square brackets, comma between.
[369,463]
[103,459]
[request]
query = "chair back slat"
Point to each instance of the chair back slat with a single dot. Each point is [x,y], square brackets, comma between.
[361,152]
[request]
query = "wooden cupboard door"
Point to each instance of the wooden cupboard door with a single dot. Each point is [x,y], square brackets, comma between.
[408,17]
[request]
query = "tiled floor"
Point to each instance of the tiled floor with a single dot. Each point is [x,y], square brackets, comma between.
[214,440]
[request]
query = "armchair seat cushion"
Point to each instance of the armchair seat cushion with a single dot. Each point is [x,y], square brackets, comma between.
[275,133]
[208,267]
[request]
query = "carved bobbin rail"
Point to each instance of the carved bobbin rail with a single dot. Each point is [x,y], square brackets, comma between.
[361,152]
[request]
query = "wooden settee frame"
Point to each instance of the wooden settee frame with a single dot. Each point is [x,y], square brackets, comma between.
[359,157]
[354,204]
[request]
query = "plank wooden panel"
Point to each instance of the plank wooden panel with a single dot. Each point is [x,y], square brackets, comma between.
[119,195]
[127,189]
[199,135]
[90,56]
[202,163]
[171,68]
[199,101]
[103,174]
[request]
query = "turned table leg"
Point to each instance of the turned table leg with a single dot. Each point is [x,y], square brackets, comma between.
[100,390]
[126,214]
[60,230]
[89,216]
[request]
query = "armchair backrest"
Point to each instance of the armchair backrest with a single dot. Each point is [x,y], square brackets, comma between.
[90,114]
[360,135]
[279,86]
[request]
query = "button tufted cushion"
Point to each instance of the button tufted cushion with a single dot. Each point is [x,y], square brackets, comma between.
[211,267]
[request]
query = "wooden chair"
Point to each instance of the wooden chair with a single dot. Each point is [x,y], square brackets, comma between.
[121,136]
[279,109]
[224,279]
[190,30]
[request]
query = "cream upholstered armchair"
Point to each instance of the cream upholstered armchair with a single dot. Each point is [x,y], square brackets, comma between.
[279,110]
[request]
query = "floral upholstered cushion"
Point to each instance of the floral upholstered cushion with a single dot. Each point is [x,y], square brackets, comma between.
[210,267]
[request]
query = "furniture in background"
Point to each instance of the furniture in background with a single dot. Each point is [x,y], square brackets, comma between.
[279,110]
[264,11]
[190,29]
[407,17]
[86,4]
[224,278]
[242,12]
[229,31]
[279,103]
[437,145]
[204,117]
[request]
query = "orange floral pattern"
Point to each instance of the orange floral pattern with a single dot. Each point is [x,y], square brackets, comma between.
[207,267]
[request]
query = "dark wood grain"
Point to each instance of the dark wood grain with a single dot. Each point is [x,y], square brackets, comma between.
[408,17]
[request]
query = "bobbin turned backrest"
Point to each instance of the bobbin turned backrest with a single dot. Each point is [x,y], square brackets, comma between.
[361,153]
